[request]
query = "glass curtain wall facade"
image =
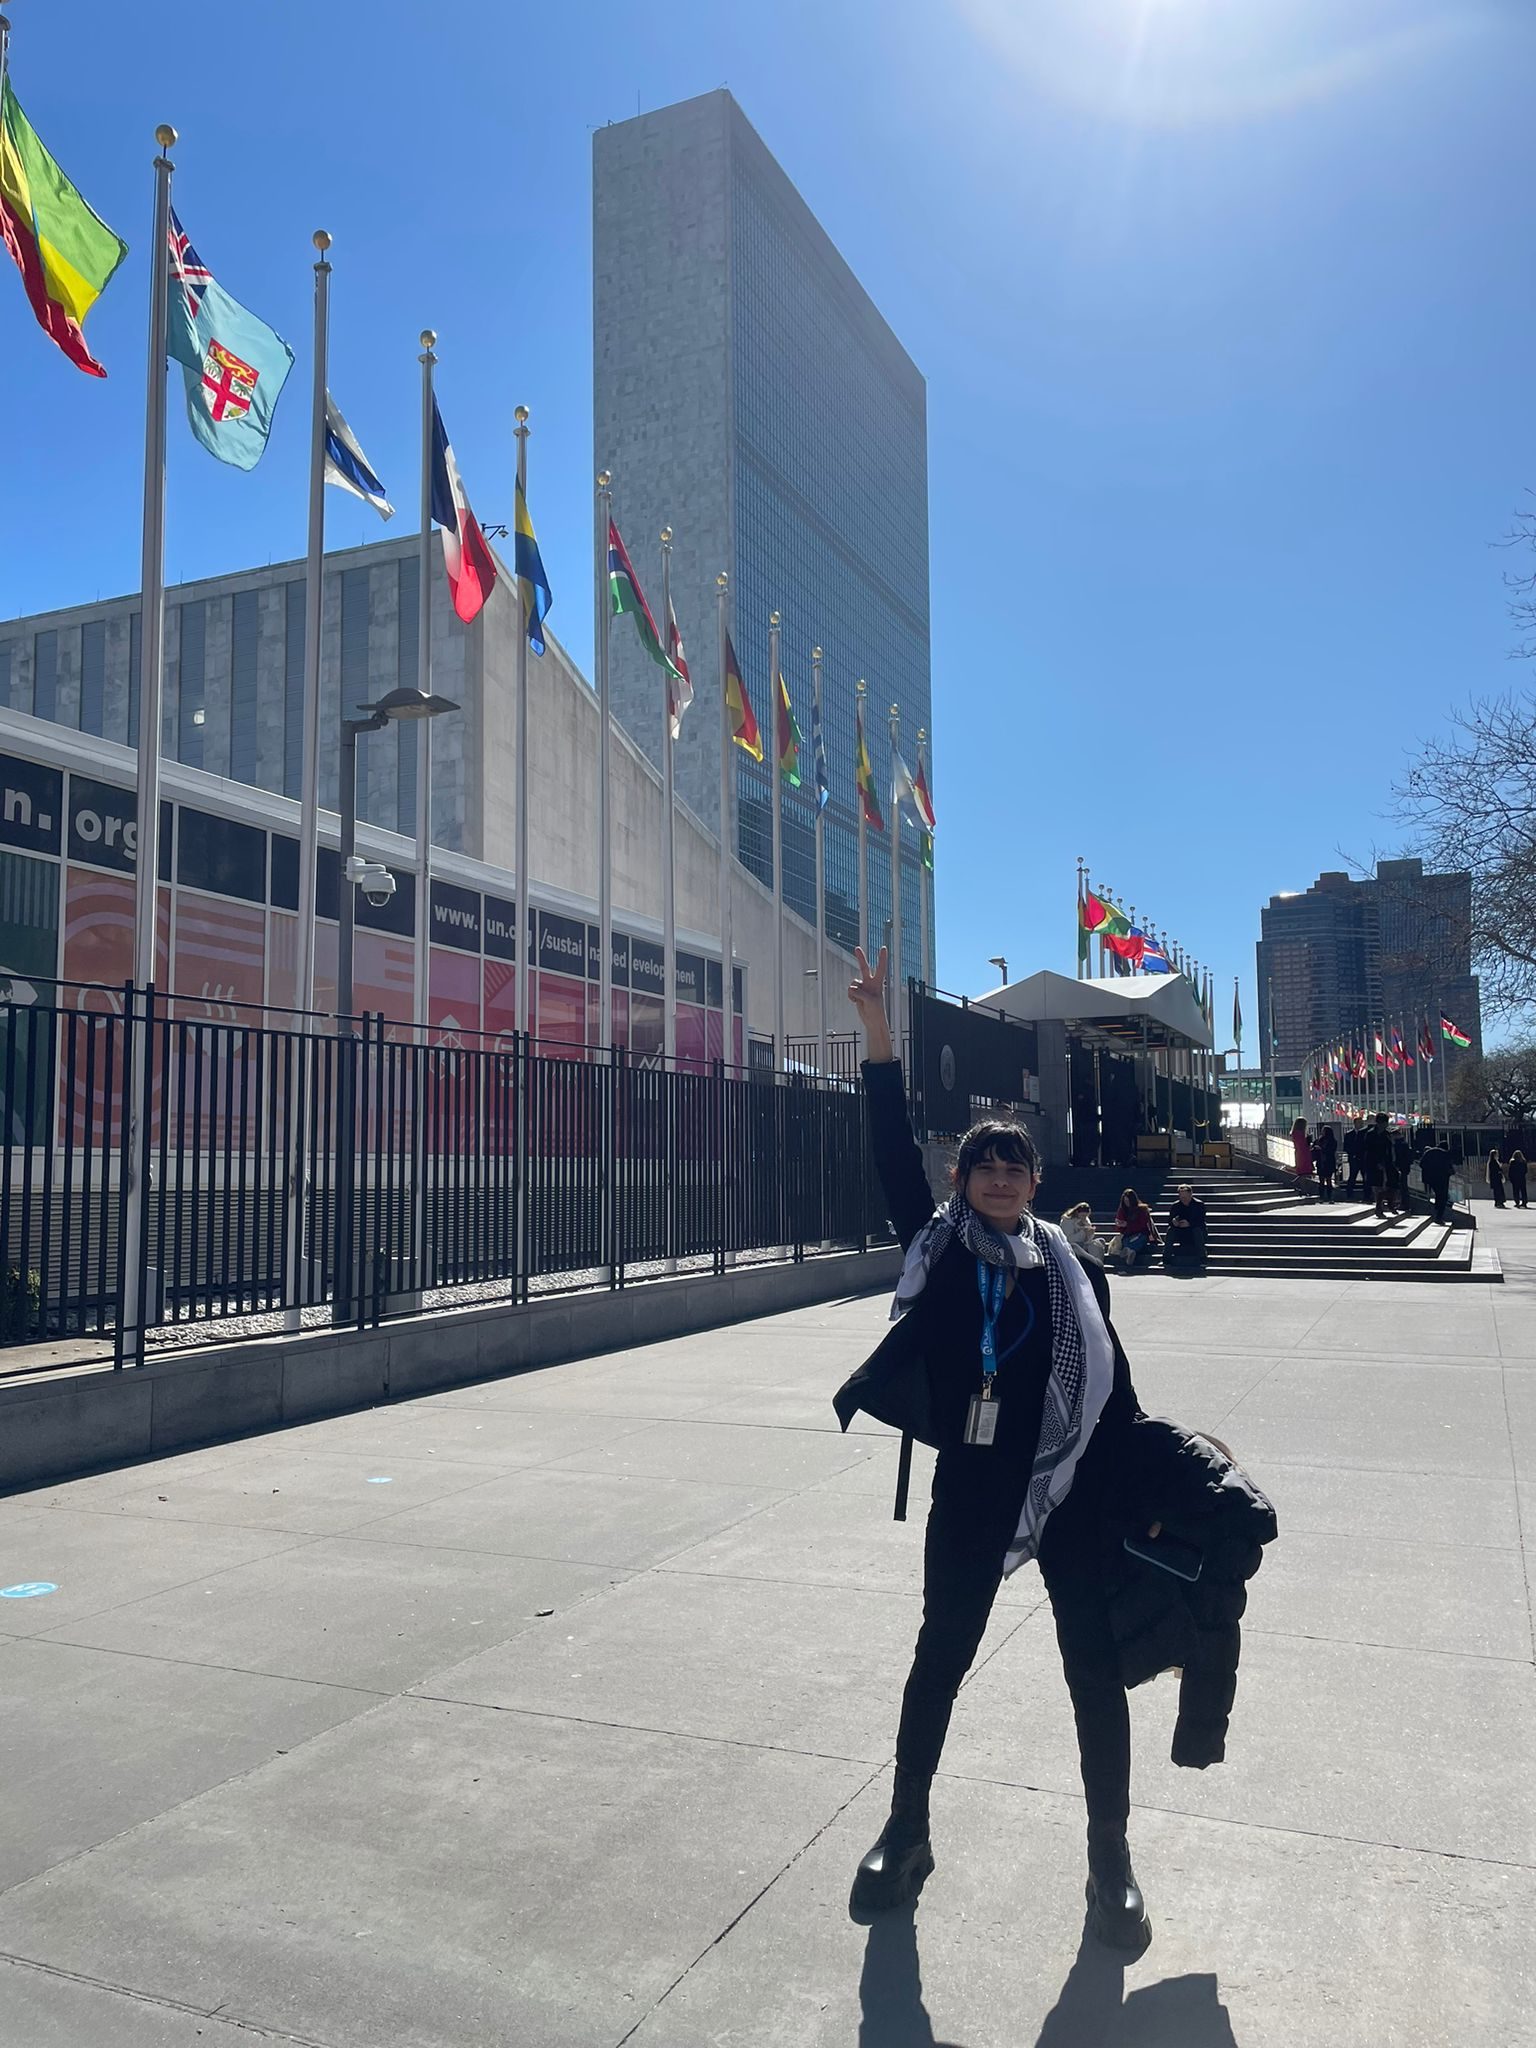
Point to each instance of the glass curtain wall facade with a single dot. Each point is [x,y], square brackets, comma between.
[732,344]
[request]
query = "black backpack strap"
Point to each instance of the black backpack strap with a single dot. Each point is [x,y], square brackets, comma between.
[903,1478]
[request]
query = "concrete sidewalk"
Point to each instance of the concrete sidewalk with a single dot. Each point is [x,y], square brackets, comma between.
[556,1713]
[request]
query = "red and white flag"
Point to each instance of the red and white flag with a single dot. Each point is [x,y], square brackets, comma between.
[470,564]
[679,682]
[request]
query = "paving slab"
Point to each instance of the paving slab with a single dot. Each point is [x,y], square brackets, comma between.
[44,2009]
[86,1559]
[274,1484]
[431,1428]
[1479,1511]
[1415,1418]
[1261,1938]
[814,1668]
[733,1454]
[439,1876]
[582,1517]
[1394,1747]
[345,1612]
[825,1538]
[1403,1593]
[100,1741]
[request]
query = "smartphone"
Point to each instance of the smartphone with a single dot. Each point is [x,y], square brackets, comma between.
[1182,1559]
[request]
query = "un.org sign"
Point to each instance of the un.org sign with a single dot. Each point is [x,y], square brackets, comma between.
[99,825]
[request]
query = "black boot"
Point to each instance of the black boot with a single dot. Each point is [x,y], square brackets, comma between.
[1117,1913]
[897,1867]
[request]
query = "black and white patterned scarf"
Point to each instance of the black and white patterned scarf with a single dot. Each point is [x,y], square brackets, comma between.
[1082,1357]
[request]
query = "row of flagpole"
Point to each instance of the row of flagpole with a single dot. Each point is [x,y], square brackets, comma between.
[1360,1079]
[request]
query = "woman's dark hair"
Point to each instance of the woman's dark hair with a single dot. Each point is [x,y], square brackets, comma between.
[1299,1125]
[1129,1199]
[999,1139]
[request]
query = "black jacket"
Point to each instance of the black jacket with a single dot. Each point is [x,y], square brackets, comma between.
[921,1376]
[1161,1622]
[1435,1166]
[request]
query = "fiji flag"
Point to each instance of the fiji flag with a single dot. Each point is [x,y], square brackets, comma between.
[233,364]
[347,466]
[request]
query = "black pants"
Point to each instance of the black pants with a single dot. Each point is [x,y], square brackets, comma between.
[1517,1189]
[1440,1193]
[969,1525]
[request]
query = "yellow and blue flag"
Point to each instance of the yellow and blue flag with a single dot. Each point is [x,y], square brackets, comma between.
[532,583]
[233,364]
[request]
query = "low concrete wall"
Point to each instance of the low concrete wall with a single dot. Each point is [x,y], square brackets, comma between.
[78,1421]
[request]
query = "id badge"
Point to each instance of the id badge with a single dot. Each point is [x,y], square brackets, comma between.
[981,1419]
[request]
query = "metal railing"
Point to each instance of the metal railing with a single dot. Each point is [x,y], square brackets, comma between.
[161,1169]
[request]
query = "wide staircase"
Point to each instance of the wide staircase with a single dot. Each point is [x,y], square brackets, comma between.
[1258,1226]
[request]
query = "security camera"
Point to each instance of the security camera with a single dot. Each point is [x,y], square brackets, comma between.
[373,878]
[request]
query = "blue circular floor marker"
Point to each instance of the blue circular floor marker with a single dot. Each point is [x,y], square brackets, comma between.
[380,1482]
[32,1590]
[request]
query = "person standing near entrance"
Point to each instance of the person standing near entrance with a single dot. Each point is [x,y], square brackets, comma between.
[1354,1139]
[1301,1154]
[1518,1171]
[1496,1177]
[1037,1402]
[1435,1172]
[1380,1172]
[1325,1153]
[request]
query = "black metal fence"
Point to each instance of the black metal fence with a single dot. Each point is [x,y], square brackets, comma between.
[161,1166]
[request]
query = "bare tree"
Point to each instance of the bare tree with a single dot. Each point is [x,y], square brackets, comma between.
[1471,803]
[1500,1088]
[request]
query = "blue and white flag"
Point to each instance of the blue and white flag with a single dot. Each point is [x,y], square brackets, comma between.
[819,756]
[347,466]
[233,364]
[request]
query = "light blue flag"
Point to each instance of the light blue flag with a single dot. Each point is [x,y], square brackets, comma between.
[234,364]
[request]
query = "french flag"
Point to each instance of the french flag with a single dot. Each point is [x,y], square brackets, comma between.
[470,564]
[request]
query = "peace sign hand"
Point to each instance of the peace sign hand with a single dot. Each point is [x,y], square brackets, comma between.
[867,994]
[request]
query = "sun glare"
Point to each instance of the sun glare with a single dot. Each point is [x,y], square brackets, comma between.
[1170,63]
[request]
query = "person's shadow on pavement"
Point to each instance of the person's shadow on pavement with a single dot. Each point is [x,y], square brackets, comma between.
[1092,2011]
[891,2009]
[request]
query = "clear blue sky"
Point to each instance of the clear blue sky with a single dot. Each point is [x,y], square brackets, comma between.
[1226,309]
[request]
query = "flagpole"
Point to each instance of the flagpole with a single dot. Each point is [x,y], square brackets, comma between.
[669,898]
[309,802]
[780,1049]
[146,880]
[421,977]
[309,799]
[897,991]
[604,821]
[861,691]
[924,874]
[821,879]
[727,963]
[524,891]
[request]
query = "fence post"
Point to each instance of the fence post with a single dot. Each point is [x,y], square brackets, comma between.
[132,1176]
[342,1263]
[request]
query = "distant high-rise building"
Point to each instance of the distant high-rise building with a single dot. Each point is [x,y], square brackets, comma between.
[748,394]
[1344,955]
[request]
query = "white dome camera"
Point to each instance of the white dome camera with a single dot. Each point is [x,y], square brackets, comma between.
[373,878]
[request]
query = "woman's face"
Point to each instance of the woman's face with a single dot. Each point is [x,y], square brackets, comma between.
[1000,1190]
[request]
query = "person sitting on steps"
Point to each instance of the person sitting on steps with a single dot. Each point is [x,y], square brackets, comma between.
[1186,1227]
[1136,1231]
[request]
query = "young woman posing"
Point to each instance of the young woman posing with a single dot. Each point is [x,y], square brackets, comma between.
[1030,1400]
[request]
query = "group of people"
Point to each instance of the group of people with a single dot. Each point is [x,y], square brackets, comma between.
[1136,1235]
[1381,1159]
[1510,1171]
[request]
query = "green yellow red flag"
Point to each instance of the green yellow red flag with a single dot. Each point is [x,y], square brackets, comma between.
[65,252]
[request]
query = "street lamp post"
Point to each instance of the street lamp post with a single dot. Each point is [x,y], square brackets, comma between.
[1000,962]
[401,704]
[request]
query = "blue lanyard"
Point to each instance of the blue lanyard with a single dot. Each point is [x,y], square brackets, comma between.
[992,1284]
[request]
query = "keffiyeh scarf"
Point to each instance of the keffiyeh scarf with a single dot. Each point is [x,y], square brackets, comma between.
[1082,1358]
